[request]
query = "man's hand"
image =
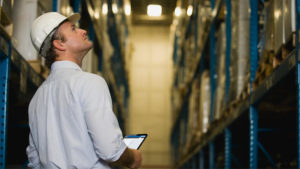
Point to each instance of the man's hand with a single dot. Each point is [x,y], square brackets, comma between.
[131,158]
[137,159]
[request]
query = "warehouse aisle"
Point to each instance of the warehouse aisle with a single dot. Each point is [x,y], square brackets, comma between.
[150,85]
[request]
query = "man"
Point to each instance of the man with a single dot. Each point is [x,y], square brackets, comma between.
[71,121]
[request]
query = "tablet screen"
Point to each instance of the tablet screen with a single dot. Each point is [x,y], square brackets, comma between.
[135,141]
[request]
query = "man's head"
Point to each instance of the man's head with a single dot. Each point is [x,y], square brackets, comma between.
[55,36]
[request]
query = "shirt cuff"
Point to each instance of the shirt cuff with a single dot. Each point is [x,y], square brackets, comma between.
[120,152]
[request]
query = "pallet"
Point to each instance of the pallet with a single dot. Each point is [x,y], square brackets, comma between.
[285,49]
[265,68]
[273,60]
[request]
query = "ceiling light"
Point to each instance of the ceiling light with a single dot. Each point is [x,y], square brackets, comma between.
[104,9]
[127,9]
[114,8]
[96,13]
[154,10]
[277,14]
[189,10]
[177,11]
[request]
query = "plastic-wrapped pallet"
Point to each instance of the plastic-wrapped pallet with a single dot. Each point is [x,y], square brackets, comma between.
[193,113]
[189,48]
[239,62]
[204,112]
[243,46]
[233,52]
[289,19]
[266,43]
[278,21]
[204,16]
[219,99]
[24,13]
[182,137]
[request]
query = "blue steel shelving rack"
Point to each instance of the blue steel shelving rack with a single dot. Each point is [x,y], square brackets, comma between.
[198,155]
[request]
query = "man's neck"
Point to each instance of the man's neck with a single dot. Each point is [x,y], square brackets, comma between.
[72,59]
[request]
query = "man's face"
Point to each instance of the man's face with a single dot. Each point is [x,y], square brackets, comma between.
[76,39]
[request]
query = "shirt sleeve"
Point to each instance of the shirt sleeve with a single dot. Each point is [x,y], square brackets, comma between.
[32,154]
[102,124]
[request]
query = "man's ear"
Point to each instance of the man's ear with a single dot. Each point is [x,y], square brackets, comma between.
[58,44]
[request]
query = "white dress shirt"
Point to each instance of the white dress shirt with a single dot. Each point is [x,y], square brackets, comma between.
[72,124]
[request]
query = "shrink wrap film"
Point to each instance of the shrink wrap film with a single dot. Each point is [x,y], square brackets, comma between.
[219,99]
[204,112]
[239,62]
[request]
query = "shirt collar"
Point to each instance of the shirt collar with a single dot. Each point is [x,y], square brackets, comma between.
[65,64]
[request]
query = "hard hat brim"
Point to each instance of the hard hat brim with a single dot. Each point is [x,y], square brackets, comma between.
[74,18]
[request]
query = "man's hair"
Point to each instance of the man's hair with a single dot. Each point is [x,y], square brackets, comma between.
[48,50]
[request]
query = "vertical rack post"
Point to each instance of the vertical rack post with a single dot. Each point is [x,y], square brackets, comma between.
[227,82]
[253,137]
[77,6]
[4,74]
[227,148]
[298,77]
[253,117]
[211,155]
[228,49]
[54,5]
[201,160]
[212,83]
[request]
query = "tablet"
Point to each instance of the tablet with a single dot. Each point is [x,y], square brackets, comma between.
[135,141]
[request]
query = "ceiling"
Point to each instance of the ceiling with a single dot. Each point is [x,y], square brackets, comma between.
[139,11]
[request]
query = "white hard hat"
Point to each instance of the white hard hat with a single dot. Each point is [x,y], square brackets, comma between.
[45,24]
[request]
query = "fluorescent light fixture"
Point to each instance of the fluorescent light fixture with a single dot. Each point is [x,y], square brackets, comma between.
[189,10]
[177,11]
[127,9]
[154,10]
[104,9]
[114,8]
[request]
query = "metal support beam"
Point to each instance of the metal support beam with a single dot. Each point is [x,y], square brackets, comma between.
[76,6]
[298,116]
[201,159]
[298,76]
[227,148]
[211,155]
[268,156]
[4,75]
[194,162]
[54,5]
[253,117]
[212,64]
[253,137]
[228,49]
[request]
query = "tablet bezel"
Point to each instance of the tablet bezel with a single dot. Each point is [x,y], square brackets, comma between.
[137,136]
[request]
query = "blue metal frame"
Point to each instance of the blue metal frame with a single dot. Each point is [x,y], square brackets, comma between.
[267,155]
[76,5]
[228,49]
[213,86]
[253,137]
[227,148]
[211,147]
[201,159]
[212,66]
[54,5]
[4,75]
[253,117]
[298,76]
